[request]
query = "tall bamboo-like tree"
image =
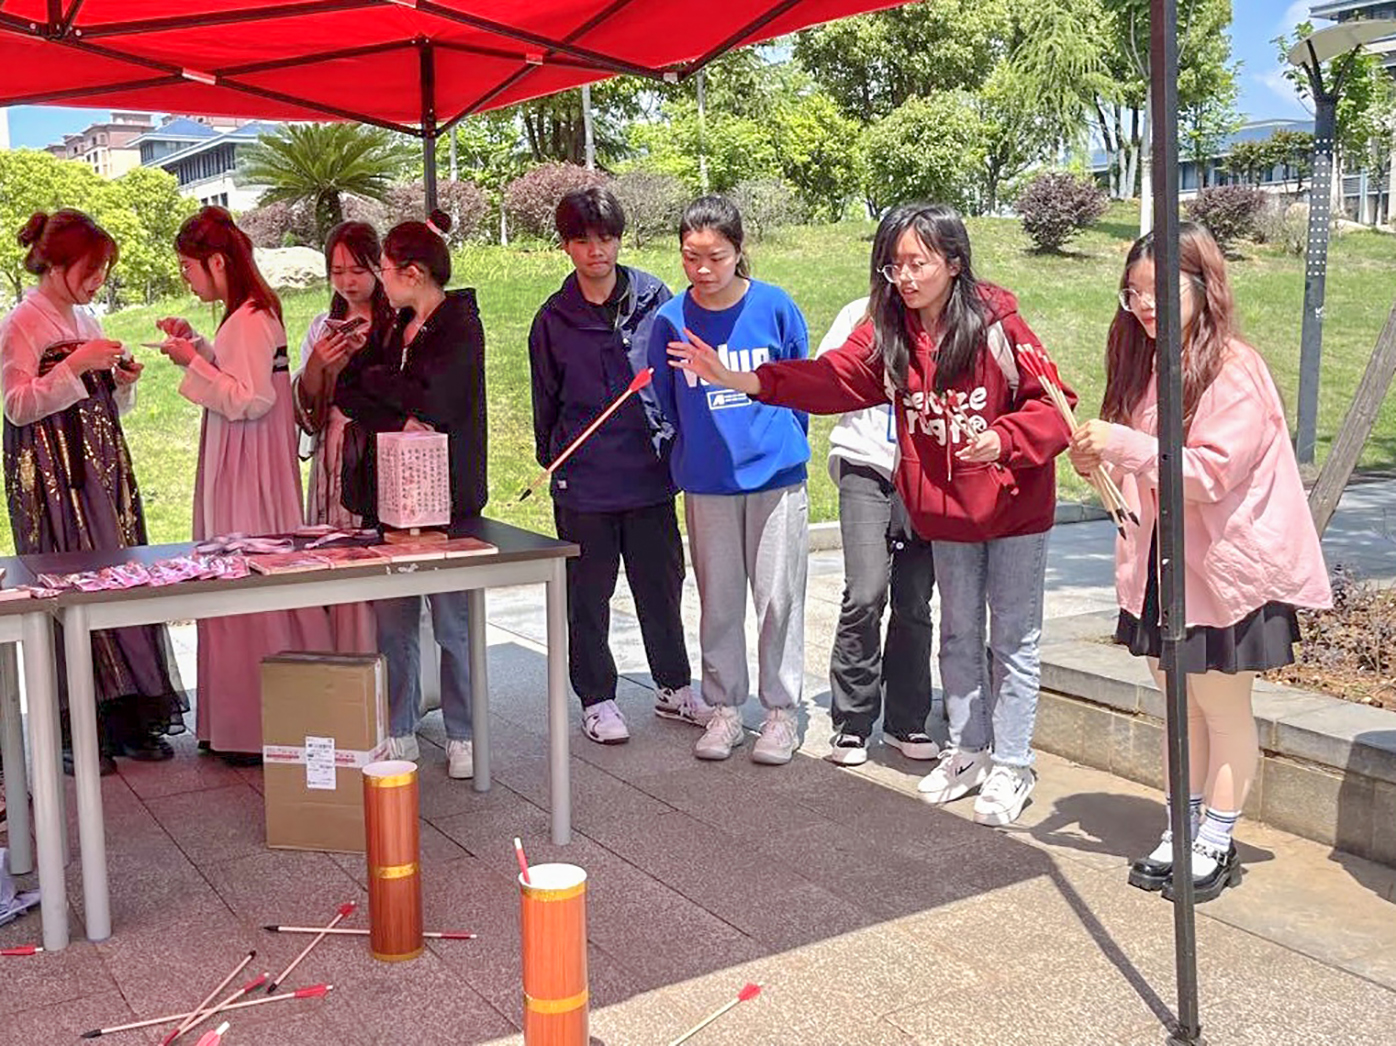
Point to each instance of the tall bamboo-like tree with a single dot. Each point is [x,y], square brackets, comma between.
[319,163]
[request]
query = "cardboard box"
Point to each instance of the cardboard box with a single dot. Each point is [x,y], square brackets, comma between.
[324,717]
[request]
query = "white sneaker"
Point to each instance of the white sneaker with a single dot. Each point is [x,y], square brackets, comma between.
[848,750]
[914,746]
[1001,799]
[603,723]
[460,760]
[404,747]
[722,734]
[682,704]
[778,739]
[958,774]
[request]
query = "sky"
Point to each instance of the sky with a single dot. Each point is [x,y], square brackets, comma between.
[1264,94]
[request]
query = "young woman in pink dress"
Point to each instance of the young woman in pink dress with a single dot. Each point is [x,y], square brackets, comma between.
[249,476]
[331,362]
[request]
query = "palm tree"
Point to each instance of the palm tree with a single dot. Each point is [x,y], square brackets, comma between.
[317,163]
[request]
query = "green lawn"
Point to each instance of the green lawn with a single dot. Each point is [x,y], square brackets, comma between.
[1068,299]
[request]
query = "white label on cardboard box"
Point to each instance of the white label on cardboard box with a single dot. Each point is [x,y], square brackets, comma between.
[319,763]
[344,758]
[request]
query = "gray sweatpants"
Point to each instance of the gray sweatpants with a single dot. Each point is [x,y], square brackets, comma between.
[758,540]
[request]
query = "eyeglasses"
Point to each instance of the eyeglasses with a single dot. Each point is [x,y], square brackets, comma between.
[916,270]
[1132,300]
[379,270]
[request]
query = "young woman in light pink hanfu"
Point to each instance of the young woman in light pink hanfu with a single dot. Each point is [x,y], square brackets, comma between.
[249,478]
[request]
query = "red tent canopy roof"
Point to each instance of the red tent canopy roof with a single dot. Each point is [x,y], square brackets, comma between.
[367,60]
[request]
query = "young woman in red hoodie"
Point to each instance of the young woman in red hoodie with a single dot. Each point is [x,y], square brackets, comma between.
[977,437]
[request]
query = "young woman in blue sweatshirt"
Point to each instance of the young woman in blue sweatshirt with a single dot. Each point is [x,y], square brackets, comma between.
[741,466]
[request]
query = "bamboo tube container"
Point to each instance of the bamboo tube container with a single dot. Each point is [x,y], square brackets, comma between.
[554,921]
[394,860]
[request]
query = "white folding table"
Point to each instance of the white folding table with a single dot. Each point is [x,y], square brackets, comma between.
[522,558]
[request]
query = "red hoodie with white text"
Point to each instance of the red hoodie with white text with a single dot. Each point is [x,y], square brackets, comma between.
[948,499]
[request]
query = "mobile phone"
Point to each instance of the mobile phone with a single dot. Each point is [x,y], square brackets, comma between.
[348,326]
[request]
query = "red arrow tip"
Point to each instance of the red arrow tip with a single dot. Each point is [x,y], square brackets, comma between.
[347,908]
[256,983]
[313,992]
[641,380]
[751,991]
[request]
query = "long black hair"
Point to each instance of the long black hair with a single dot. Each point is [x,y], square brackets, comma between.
[942,231]
[721,215]
[361,241]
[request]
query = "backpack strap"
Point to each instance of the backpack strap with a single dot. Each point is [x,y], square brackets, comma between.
[1001,350]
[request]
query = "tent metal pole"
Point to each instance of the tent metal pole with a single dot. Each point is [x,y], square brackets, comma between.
[1163,48]
[429,128]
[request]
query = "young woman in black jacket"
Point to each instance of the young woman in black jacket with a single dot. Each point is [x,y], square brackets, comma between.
[429,376]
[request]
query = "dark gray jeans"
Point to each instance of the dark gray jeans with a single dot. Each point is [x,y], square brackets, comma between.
[879,551]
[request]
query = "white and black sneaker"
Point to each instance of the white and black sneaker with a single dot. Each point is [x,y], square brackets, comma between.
[604,724]
[915,745]
[683,705]
[958,774]
[849,750]
[1001,799]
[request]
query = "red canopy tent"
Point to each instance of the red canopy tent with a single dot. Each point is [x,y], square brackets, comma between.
[420,66]
[417,66]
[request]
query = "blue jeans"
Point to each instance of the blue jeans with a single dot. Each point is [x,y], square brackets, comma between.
[992,701]
[399,640]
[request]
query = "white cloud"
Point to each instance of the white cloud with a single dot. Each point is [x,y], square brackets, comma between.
[1274,81]
[1296,12]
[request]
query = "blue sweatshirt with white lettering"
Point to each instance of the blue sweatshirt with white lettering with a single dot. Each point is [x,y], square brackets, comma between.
[725,442]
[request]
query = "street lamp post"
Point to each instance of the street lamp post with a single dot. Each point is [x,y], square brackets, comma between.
[1340,41]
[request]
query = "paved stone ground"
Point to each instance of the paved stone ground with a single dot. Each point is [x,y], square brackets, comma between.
[868,917]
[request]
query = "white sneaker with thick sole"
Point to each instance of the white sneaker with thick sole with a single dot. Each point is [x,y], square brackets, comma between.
[1001,799]
[682,704]
[848,750]
[722,734]
[404,747]
[460,760]
[604,724]
[914,746]
[958,774]
[778,739]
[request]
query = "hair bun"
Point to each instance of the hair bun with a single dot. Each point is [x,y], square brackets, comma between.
[33,229]
[440,222]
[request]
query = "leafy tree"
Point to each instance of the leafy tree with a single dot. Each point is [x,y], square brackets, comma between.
[872,64]
[1015,132]
[319,163]
[1294,151]
[465,202]
[1250,160]
[146,202]
[925,149]
[818,153]
[653,203]
[35,181]
[737,148]
[1230,212]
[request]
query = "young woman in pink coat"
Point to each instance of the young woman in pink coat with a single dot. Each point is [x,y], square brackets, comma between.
[1251,552]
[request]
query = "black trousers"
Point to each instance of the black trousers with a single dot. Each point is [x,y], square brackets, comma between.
[647,540]
[880,552]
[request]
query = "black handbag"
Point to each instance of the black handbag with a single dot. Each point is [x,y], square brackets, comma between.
[358,474]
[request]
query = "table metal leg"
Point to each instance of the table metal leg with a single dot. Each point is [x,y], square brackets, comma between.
[16,769]
[479,687]
[82,716]
[559,785]
[50,832]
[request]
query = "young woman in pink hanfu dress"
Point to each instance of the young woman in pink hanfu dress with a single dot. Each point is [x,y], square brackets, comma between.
[249,478]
